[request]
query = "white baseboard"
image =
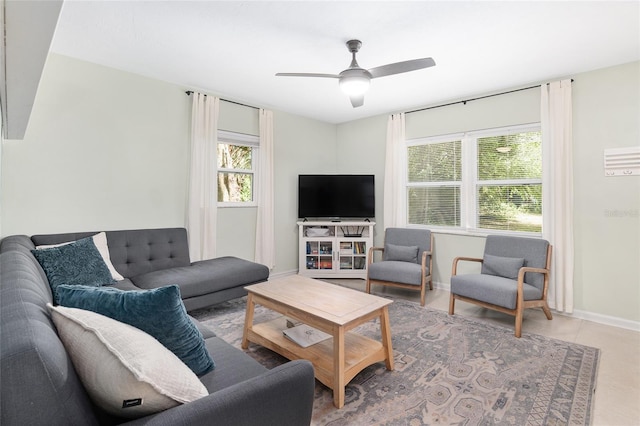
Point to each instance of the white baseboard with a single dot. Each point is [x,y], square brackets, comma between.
[584,315]
[282,274]
[604,319]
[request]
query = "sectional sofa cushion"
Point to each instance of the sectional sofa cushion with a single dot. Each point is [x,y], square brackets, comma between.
[77,263]
[158,312]
[205,276]
[125,371]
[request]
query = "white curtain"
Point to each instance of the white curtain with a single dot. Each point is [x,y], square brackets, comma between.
[265,242]
[202,209]
[395,212]
[557,151]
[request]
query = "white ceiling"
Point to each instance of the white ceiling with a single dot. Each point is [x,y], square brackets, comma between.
[234,48]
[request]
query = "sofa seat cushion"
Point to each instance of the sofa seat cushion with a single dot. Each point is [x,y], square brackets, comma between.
[492,289]
[397,271]
[206,276]
[232,366]
[158,312]
[126,285]
[125,371]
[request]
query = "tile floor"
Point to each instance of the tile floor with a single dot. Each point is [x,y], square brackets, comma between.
[617,399]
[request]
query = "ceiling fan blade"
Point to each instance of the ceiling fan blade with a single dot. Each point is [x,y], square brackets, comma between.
[357,100]
[400,67]
[302,74]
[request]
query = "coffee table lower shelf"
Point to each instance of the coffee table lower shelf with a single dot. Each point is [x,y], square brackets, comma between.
[360,351]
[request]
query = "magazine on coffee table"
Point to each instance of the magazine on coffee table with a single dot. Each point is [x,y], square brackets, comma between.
[305,335]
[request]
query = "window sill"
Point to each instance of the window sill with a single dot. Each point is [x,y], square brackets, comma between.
[236,205]
[480,233]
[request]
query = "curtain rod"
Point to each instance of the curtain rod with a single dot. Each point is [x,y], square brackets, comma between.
[189,92]
[475,99]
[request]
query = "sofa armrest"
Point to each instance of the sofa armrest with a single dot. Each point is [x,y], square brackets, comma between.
[282,396]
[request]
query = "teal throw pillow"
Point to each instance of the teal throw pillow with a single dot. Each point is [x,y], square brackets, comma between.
[158,312]
[506,267]
[78,263]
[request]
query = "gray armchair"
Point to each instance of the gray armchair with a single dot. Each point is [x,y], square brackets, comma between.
[407,258]
[514,277]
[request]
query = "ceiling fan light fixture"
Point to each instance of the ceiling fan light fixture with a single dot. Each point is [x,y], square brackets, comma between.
[354,82]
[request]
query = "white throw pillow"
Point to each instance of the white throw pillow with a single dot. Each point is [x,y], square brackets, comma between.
[126,372]
[100,240]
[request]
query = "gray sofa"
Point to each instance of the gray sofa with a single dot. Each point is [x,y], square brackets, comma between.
[152,258]
[39,386]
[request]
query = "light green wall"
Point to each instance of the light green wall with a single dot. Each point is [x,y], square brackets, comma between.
[606,114]
[104,150]
[238,118]
[521,107]
[302,146]
[361,150]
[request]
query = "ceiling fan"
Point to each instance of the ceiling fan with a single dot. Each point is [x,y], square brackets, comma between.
[354,81]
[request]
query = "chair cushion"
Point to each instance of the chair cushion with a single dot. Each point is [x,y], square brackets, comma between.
[409,237]
[532,250]
[158,312]
[492,289]
[400,253]
[507,267]
[395,271]
[125,371]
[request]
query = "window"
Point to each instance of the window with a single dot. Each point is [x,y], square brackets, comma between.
[237,158]
[489,180]
[434,182]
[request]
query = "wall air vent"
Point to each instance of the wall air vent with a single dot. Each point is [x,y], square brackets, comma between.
[622,161]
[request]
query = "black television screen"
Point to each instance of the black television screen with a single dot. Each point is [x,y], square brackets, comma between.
[336,196]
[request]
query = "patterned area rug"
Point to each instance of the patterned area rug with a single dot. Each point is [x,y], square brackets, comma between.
[448,370]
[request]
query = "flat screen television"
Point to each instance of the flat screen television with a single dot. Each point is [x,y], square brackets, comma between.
[336,196]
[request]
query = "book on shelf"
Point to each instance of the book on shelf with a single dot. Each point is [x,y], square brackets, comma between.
[305,335]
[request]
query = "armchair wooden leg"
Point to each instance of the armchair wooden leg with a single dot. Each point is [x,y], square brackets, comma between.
[423,290]
[452,302]
[519,313]
[547,311]
[368,286]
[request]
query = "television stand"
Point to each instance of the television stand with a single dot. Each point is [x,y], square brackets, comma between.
[329,249]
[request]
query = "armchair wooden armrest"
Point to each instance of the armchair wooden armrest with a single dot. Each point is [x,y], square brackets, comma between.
[371,253]
[454,269]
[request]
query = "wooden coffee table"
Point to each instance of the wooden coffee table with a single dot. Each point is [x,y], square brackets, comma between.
[327,307]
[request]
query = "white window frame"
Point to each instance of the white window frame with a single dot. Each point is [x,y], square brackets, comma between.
[429,141]
[241,139]
[469,181]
